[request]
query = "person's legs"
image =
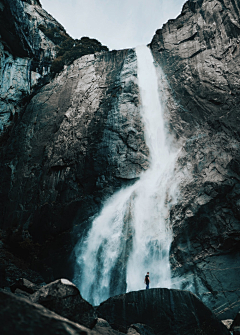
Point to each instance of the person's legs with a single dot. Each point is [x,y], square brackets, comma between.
[147,286]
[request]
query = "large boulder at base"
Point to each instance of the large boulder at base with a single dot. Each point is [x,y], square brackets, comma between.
[18,316]
[167,312]
[64,298]
[24,285]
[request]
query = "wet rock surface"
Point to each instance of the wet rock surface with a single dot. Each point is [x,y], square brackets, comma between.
[80,139]
[198,52]
[165,311]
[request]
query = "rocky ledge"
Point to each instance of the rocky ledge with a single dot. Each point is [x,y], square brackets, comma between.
[59,308]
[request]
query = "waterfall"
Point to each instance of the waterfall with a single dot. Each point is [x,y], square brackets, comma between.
[132,234]
[152,234]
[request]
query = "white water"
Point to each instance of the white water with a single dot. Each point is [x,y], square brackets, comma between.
[140,210]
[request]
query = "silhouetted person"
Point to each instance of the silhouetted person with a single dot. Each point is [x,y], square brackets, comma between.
[147,280]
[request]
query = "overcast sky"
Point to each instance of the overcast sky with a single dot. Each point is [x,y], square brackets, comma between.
[118,24]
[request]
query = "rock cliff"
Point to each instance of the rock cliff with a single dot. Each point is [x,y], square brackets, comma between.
[199,54]
[25,53]
[79,139]
[32,43]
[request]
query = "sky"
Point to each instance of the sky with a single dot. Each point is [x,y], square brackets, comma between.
[118,24]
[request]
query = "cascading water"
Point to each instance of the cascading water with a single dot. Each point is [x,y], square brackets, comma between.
[152,234]
[133,225]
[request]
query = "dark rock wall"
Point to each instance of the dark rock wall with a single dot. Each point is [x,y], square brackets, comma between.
[79,139]
[199,54]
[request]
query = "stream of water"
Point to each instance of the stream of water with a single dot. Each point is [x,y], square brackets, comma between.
[133,226]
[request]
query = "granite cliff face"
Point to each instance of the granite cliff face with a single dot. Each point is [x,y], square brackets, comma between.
[199,53]
[25,53]
[81,138]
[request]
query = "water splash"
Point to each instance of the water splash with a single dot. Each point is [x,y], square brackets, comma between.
[132,234]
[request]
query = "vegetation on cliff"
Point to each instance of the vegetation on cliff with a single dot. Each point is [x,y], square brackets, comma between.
[69,49]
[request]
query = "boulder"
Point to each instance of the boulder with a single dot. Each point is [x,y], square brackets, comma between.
[167,312]
[25,286]
[63,297]
[61,288]
[19,316]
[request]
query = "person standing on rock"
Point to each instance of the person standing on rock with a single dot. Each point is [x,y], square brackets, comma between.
[147,280]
